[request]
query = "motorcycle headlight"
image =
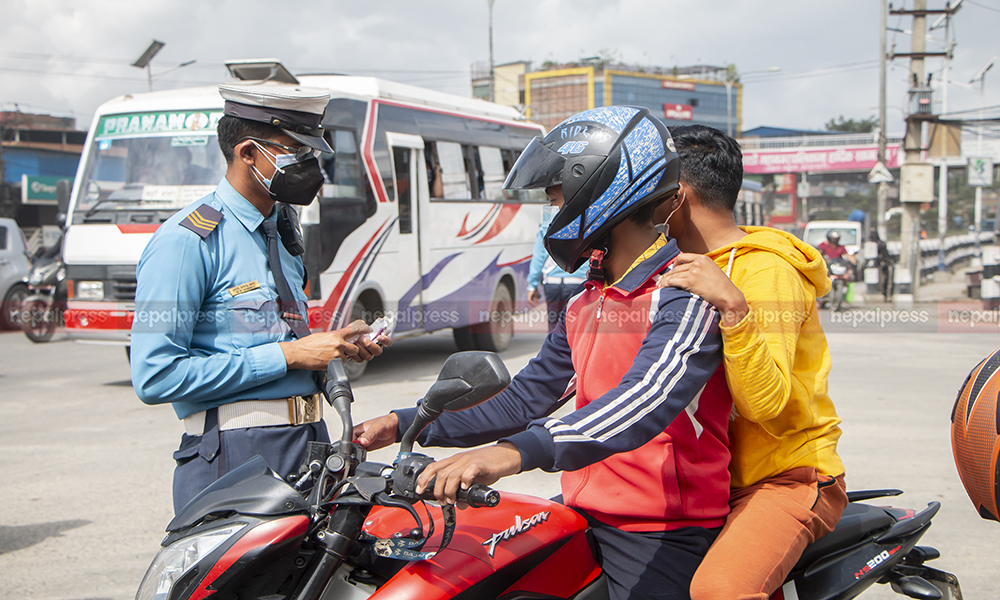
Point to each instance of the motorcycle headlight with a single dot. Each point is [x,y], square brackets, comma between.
[174,561]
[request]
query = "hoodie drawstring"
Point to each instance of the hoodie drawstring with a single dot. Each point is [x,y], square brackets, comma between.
[729,267]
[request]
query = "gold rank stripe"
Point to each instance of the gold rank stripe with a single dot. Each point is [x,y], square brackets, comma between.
[201,222]
[243,287]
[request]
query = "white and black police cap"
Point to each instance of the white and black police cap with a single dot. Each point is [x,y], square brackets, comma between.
[298,111]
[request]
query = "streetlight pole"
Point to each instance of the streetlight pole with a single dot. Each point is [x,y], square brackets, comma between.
[492,74]
[730,79]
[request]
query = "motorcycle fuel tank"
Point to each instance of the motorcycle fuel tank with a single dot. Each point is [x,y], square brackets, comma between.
[524,544]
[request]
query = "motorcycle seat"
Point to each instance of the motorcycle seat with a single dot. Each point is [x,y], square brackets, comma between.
[857,523]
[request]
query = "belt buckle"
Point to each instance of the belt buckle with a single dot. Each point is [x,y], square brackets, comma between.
[304,409]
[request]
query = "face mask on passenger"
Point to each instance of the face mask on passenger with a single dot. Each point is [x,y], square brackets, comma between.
[295,181]
[549,212]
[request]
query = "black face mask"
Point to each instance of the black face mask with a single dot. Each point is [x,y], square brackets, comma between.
[297,183]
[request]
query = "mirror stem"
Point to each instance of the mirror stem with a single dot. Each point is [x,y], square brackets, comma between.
[425,416]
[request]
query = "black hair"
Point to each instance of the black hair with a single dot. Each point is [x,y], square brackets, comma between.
[711,164]
[233,129]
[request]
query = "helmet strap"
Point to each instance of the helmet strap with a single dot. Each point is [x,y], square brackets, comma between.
[597,255]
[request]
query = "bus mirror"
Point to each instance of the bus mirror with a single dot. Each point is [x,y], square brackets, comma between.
[63,188]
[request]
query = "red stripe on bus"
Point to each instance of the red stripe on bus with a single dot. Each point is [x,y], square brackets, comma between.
[334,298]
[507,212]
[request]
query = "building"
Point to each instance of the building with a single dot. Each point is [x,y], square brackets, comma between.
[37,151]
[679,96]
[509,87]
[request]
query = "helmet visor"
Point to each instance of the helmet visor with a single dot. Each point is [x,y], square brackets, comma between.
[536,168]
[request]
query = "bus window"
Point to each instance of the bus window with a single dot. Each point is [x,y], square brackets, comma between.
[401,171]
[493,172]
[342,169]
[454,177]
[433,170]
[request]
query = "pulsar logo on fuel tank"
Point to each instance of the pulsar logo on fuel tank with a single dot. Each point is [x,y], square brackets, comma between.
[879,559]
[517,528]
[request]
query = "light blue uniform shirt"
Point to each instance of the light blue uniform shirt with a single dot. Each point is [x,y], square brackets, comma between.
[545,270]
[194,342]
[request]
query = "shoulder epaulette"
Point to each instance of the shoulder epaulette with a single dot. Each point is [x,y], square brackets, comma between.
[202,220]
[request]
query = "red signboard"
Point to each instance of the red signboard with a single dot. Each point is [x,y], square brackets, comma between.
[671,84]
[803,160]
[678,112]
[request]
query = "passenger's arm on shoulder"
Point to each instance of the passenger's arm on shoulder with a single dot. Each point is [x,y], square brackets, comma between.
[700,275]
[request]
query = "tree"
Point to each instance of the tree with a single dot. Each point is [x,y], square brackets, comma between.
[851,126]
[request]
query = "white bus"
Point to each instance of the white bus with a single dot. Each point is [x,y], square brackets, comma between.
[411,220]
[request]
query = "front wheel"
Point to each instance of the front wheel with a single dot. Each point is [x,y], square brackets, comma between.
[10,317]
[837,300]
[38,320]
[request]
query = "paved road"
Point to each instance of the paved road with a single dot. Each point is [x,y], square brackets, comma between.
[86,467]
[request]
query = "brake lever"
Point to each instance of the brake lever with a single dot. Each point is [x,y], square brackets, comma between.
[384,499]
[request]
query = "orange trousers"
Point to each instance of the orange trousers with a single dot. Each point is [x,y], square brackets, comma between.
[769,525]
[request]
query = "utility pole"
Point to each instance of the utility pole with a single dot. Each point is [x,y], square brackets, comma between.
[916,178]
[944,19]
[882,192]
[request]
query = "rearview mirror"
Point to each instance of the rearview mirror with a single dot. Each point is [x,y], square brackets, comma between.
[466,379]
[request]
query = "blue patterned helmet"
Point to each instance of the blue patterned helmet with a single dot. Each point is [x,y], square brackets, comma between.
[610,162]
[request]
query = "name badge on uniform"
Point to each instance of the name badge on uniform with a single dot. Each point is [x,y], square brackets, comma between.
[243,288]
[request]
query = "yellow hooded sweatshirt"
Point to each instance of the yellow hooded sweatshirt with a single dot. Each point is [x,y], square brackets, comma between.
[777,359]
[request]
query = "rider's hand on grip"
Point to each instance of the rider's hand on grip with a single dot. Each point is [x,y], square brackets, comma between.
[477,496]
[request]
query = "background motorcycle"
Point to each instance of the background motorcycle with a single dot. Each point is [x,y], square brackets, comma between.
[42,311]
[350,529]
[840,272]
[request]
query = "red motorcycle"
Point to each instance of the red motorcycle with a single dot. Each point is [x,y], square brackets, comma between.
[348,529]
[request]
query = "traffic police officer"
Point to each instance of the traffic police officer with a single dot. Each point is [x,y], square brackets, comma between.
[220,327]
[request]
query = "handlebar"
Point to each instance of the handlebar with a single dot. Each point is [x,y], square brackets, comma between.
[477,496]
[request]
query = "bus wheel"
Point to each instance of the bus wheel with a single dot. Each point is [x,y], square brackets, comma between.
[495,334]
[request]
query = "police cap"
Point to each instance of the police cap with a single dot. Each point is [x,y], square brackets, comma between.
[297,111]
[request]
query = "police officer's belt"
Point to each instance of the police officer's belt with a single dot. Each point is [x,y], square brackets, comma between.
[296,410]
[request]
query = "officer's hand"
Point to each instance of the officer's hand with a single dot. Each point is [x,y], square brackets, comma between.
[482,465]
[377,433]
[314,352]
[534,296]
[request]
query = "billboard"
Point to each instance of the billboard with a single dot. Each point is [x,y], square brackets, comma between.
[807,160]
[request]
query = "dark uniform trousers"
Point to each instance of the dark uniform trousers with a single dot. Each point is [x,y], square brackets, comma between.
[203,459]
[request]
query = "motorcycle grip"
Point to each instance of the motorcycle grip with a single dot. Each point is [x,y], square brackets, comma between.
[479,496]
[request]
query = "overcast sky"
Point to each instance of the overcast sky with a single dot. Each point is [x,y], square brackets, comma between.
[66,57]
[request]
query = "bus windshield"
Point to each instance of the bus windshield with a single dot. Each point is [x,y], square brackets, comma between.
[151,161]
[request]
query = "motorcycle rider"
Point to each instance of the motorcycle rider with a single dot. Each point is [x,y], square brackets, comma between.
[644,455]
[831,249]
[787,479]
